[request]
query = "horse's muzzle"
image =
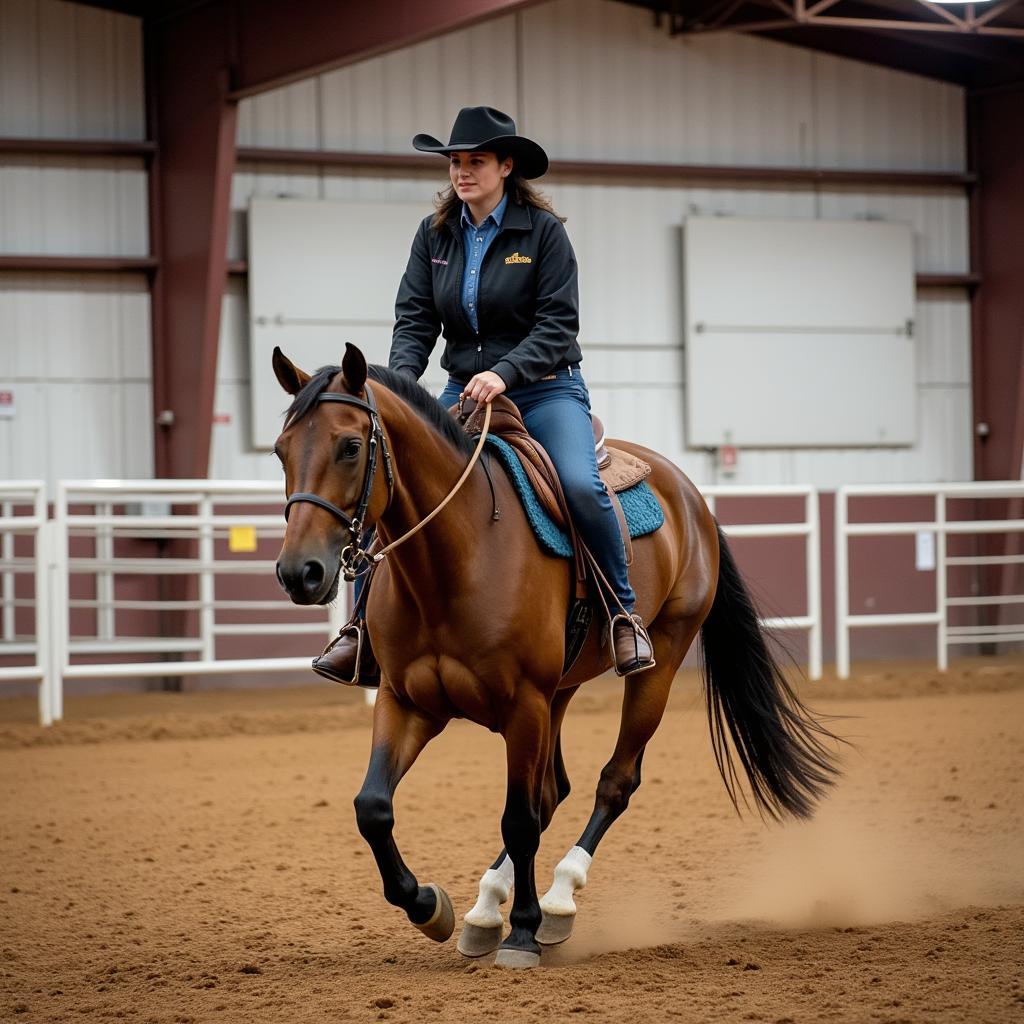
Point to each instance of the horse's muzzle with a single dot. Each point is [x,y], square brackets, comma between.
[309,581]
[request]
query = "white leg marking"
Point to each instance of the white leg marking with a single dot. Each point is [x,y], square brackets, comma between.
[570,877]
[495,889]
[481,933]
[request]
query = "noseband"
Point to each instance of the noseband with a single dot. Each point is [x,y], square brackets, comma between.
[352,556]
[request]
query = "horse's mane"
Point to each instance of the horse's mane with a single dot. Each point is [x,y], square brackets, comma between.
[423,402]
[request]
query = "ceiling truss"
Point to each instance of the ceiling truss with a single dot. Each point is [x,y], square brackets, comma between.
[977,19]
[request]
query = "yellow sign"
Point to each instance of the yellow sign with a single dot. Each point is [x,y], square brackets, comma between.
[242,538]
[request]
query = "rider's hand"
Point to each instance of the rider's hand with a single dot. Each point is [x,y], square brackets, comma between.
[484,386]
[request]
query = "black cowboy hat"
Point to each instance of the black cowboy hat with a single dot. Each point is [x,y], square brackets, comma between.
[489,130]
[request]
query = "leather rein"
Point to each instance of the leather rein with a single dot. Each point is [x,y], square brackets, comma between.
[355,561]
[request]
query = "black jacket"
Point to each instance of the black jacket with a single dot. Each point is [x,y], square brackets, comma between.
[527,301]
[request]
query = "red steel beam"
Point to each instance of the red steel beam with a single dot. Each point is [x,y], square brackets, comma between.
[277,43]
[997,147]
[79,264]
[193,124]
[621,169]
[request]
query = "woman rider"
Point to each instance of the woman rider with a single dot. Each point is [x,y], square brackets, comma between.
[494,270]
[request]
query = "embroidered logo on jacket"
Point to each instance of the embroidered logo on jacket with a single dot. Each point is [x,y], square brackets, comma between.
[435,259]
[516,258]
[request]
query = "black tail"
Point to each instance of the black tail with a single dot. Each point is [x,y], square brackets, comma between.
[780,744]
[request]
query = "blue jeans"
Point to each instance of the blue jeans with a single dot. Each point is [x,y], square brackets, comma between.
[557,413]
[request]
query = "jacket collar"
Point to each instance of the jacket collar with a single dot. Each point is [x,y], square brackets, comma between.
[517,218]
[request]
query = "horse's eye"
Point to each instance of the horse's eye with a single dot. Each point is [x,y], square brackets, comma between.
[349,449]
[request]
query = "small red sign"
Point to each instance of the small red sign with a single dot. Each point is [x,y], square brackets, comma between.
[222,417]
[728,458]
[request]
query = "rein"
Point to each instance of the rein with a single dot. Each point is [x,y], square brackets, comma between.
[352,555]
[451,494]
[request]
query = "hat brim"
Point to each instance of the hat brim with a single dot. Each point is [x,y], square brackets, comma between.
[530,159]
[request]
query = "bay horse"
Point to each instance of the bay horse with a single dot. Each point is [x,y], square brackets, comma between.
[467,620]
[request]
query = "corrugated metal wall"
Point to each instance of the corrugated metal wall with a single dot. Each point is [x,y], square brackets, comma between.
[593,79]
[590,79]
[75,347]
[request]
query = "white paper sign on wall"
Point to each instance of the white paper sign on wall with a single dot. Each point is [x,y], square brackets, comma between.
[924,550]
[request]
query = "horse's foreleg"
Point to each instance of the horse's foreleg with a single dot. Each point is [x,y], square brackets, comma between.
[643,705]
[481,933]
[527,737]
[399,734]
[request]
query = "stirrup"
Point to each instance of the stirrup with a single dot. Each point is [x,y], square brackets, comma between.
[639,631]
[354,628]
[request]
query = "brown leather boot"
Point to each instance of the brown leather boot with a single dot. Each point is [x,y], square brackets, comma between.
[348,659]
[632,650]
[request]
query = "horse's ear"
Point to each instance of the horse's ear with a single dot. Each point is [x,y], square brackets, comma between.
[290,377]
[353,369]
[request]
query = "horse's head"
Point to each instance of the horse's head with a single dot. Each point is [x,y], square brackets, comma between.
[330,450]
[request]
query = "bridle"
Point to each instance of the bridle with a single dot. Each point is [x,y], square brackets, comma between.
[352,556]
[356,561]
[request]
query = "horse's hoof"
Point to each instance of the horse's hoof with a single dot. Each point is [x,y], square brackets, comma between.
[516,959]
[442,921]
[555,928]
[476,941]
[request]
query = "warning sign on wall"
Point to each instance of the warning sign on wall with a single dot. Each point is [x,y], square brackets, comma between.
[242,538]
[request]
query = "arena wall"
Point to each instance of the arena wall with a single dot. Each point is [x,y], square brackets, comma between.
[599,81]
[591,79]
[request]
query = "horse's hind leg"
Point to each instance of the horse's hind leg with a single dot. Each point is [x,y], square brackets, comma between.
[399,734]
[481,933]
[643,705]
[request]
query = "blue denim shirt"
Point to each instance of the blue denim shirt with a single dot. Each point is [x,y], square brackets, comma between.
[476,241]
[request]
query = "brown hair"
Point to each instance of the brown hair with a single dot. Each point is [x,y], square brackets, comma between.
[519,190]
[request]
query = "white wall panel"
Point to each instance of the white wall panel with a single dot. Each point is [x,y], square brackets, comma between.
[268,181]
[378,105]
[76,352]
[939,220]
[70,71]
[600,81]
[73,206]
[873,117]
[287,117]
[943,338]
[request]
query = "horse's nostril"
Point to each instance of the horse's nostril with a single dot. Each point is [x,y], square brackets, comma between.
[280,577]
[312,576]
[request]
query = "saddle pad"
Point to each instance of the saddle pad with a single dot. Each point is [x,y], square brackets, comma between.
[640,506]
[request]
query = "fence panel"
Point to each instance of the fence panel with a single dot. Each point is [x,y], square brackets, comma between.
[181,571]
[808,527]
[24,586]
[949,520]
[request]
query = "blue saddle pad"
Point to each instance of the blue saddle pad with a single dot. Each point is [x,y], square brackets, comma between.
[643,513]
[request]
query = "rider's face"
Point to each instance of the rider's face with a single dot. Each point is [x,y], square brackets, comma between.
[479,179]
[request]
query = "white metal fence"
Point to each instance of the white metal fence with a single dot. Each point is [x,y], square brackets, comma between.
[942,527]
[108,533]
[25,616]
[75,588]
[809,527]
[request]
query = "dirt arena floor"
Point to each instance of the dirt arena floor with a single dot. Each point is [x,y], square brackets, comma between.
[194,857]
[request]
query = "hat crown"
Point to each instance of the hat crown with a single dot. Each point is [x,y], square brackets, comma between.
[478,124]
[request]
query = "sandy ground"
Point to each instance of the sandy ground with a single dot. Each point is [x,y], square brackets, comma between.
[194,857]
